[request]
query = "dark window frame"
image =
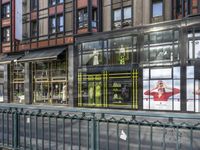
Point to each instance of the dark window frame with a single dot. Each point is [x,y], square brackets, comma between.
[57,26]
[6,10]
[5,32]
[34,30]
[82,18]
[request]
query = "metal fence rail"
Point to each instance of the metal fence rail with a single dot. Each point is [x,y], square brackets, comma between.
[26,127]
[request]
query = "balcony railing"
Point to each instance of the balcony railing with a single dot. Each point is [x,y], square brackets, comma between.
[57,128]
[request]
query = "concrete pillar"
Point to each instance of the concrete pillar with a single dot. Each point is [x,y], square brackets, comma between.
[107,15]
[168,10]
[137,12]
[71,75]
[7,90]
[28,83]
[146,11]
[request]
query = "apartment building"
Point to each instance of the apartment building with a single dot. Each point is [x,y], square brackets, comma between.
[126,54]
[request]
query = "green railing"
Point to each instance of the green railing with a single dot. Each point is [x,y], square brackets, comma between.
[60,128]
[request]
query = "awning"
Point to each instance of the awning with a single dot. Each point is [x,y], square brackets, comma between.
[42,54]
[8,58]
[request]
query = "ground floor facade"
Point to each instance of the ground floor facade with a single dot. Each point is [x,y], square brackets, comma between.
[147,68]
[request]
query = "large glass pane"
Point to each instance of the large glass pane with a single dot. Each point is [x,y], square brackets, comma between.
[197,95]
[120,93]
[120,50]
[161,73]
[191,50]
[197,48]
[161,53]
[190,94]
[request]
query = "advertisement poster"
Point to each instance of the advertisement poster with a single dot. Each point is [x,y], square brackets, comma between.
[160,90]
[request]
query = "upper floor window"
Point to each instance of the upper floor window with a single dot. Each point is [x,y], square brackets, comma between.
[34,28]
[54,2]
[122,17]
[82,18]
[157,8]
[6,34]
[34,4]
[6,10]
[56,24]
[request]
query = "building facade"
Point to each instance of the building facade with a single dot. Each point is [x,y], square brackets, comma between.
[125,54]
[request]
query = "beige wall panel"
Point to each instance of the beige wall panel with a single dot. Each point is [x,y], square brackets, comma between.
[137,12]
[146,11]
[168,9]
[107,18]
[43,4]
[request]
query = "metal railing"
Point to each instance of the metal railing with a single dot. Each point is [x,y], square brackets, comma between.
[60,128]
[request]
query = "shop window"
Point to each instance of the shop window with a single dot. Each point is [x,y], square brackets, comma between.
[6,10]
[116,90]
[92,92]
[193,88]
[161,47]
[161,89]
[194,45]
[33,28]
[18,83]
[121,51]
[34,4]
[6,34]
[92,54]
[83,18]
[50,82]
[122,17]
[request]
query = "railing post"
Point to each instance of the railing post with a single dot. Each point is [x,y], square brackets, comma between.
[16,129]
[93,132]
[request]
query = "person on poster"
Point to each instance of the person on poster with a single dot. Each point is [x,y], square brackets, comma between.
[159,92]
[197,92]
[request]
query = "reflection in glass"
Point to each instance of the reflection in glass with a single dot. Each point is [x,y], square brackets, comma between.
[120,50]
[197,48]
[120,93]
[161,73]
[18,83]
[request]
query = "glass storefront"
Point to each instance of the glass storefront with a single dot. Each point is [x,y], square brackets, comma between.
[116,51]
[50,82]
[113,90]
[18,82]
[160,47]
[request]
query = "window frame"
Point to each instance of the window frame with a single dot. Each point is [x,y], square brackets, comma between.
[123,22]
[6,10]
[82,13]
[5,32]
[57,21]
[152,8]
[34,29]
